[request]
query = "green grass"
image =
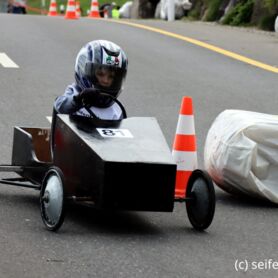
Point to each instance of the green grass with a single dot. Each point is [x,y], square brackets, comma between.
[85,5]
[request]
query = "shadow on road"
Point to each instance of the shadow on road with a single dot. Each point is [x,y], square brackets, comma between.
[242,201]
[110,222]
[82,220]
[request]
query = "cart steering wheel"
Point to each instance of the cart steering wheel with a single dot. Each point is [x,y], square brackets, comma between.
[97,120]
[124,115]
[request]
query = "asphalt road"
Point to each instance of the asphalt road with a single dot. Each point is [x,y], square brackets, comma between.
[161,70]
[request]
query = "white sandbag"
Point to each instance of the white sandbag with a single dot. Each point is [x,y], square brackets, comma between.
[241,153]
[125,10]
[180,7]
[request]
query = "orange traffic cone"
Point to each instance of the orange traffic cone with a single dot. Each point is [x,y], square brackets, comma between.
[185,147]
[71,10]
[52,8]
[94,12]
[78,10]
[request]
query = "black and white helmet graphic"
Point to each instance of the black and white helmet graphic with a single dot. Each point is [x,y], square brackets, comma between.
[102,65]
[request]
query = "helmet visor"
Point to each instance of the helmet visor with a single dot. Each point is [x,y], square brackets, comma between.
[106,78]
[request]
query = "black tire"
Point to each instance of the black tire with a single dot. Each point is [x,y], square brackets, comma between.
[201,206]
[52,199]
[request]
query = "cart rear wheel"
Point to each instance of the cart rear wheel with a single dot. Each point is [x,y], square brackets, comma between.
[52,199]
[201,204]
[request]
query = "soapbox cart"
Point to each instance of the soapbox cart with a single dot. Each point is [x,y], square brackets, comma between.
[113,165]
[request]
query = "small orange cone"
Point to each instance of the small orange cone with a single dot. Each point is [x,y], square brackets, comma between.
[52,8]
[71,10]
[78,10]
[94,12]
[185,147]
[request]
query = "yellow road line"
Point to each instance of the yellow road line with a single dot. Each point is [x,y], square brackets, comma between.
[202,44]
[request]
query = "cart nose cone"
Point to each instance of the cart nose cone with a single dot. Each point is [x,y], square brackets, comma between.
[139,186]
[128,167]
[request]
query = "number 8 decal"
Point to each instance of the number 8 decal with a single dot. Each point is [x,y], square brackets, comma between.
[114,133]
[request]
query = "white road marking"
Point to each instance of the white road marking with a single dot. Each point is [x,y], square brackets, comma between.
[7,62]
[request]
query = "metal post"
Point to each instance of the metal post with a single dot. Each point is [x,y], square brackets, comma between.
[171,10]
[42,6]
[276,24]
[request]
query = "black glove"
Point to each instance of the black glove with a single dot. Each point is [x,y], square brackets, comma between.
[86,98]
[92,97]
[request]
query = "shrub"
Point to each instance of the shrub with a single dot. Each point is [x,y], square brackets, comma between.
[240,14]
[212,12]
[267,22]
[271,5]
[195,12]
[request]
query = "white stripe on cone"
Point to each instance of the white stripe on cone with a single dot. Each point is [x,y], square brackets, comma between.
[186,161]
[186,125]
[71,9]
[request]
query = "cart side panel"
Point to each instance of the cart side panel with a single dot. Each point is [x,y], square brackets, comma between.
[30,146]
[24,153]
[82,168]
[41,143]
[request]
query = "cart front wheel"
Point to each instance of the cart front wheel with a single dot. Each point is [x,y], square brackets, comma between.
[52,198]
[201,204]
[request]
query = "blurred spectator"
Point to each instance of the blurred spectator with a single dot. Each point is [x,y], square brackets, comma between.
[9,6]
[109,10]
[17,6]
[106,8]
[62,9]
[115,10]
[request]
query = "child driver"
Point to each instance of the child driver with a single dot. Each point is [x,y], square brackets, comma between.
[100,66]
